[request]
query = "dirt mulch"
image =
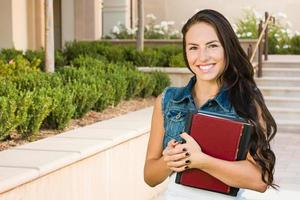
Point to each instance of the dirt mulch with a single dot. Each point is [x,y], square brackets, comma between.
[90,118]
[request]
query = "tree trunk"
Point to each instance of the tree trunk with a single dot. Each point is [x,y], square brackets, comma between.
[140,32]
[49,37]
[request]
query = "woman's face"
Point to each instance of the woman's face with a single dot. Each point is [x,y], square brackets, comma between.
[204,52]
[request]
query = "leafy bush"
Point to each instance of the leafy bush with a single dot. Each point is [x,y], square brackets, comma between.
[149,57]
[18,66]
[177,60]
[295,44]
[37,112]
[135,84]
[9,54]
[161,80]
[63,108]
[8,109]
[149,87]
[85,97]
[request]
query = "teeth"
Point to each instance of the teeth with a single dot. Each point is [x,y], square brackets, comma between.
[206,67]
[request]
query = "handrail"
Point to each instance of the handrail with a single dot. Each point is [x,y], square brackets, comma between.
[263,32]
[260,37]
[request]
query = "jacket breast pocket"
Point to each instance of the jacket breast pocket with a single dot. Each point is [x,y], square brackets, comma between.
[176,119]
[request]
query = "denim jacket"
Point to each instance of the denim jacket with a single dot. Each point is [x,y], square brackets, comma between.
[178,102]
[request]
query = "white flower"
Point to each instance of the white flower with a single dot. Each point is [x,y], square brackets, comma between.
[281,15]
[285,46]
[156,26]
[297,33]
[164,25]
[161,32]
[151,16]
[248,34]
[116,30]
[277,46]
[170,23]
[238,35]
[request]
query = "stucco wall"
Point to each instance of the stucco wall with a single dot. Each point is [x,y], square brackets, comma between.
[6,24]
[179,11]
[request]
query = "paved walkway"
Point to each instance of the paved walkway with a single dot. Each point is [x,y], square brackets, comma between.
[287,171]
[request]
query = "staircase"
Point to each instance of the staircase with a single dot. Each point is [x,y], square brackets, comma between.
[280,85]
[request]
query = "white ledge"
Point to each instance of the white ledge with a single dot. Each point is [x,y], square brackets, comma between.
[27,162]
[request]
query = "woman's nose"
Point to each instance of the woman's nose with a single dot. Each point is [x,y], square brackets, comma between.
[203,55]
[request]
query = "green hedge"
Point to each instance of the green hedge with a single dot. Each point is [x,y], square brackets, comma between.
[31,99]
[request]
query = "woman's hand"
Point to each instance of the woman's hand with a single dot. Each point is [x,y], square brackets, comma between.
[175,156]
[196,156]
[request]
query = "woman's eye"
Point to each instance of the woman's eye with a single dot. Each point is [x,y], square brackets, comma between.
[192,48]
[213,46]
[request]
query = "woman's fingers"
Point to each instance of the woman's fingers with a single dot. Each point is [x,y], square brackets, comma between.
[176,157]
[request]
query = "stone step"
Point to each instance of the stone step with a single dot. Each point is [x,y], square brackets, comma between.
[277,91]
[278,64]
[283,72]
[280,113]
[284,102]
[278,81]
[288,126]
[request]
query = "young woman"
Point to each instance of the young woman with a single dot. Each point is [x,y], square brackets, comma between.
[223,83]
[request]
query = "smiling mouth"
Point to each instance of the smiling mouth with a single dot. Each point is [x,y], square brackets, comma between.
[205,68]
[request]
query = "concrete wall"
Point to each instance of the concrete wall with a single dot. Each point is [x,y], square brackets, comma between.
[6,40]
[67,20]
[172,10]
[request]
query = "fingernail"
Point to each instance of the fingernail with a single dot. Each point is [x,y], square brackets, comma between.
[186,167]
[187,161]
[187,154]
[184,149]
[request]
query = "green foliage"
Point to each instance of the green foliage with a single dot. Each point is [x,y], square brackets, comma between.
[9,54]
[295,44]
[37,112]
[18,66]
[63,108]
[8,108]
[149,87]
[93,49]
[153,30]
[247,26]
[135,84]
[85,97]
[177,60]
[149,57]
[161,81]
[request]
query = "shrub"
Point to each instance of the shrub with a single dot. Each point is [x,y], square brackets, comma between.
[37,112]
[149,83]
[177,60]
[8,109]
[18,66]
[106,93]
[9,54]
[63,108]
[85,97]
[161,80]
[295,44]
[149,57]
[13,107]
[135,84]
[84,48]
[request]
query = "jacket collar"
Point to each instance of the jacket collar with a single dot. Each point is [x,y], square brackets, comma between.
[186,94]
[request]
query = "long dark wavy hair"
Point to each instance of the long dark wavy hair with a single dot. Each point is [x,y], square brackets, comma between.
[245,97]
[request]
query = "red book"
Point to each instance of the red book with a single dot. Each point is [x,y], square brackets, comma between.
[219,136]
